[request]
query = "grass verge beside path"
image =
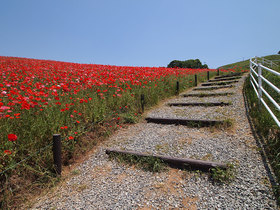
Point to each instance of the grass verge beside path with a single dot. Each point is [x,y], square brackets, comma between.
[264,125]
[267,129]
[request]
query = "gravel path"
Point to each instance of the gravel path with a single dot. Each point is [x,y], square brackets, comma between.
[103,184]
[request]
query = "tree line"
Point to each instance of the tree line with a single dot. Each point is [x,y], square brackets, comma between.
[191,63]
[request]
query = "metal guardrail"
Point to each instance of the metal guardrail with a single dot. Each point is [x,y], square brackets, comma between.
[256,67]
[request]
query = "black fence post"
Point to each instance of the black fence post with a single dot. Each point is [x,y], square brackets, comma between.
[218,72]
[208,75]
[177,87]
[57,153]
[142,102]
[195,80]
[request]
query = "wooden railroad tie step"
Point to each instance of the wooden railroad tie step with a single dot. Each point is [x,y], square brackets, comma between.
[213,87]
[200,104]
[173,161]
[224,79]
[206,94]
[218,83]
[187,122]
[228,75]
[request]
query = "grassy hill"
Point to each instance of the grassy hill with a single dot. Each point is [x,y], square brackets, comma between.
[245,64]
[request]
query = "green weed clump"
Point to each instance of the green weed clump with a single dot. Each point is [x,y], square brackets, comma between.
[148,163]
[223,175]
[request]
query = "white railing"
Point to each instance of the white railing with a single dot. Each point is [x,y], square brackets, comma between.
[266,62]
[256,67]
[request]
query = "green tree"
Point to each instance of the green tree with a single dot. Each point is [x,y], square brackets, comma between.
[175,64]
[191,63]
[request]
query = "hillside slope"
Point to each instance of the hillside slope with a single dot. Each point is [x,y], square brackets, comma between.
[245,64]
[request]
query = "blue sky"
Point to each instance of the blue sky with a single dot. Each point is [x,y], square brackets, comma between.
[140,32]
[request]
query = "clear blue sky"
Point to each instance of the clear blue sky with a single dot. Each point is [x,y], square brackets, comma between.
[140,32]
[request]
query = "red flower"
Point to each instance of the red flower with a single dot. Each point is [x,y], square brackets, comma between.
[70,137]
[8,152]
[12,137]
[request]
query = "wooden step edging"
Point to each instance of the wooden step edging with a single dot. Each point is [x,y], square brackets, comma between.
[218,83]
[224,79]
[228,75]
[173,161]
[213,87]
[200,104]
[206,94]
[187,122]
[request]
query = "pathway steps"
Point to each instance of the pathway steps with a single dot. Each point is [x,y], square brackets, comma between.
[219,83]
[199,104]
[213,87]
[228,75]
[206,94]
[224,79]
[188,122]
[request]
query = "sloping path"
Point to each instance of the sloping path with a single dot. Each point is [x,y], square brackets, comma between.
[105,184]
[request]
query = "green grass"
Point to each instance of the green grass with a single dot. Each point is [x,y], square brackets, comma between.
[224,175]
[245,64]
[266,128]
[148,163]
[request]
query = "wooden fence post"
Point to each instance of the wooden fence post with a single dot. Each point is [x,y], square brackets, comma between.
[208,75]
[195,80]
[142,102]
[177,87]
[57,153]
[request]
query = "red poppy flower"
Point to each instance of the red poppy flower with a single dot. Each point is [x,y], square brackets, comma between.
[8,152]
[12,137]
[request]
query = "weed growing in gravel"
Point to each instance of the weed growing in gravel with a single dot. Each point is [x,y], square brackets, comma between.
[162,148]
[224,175]
[227,123]
[75,172]
[152,164]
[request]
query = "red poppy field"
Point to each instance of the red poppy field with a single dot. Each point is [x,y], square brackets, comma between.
[39,98]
